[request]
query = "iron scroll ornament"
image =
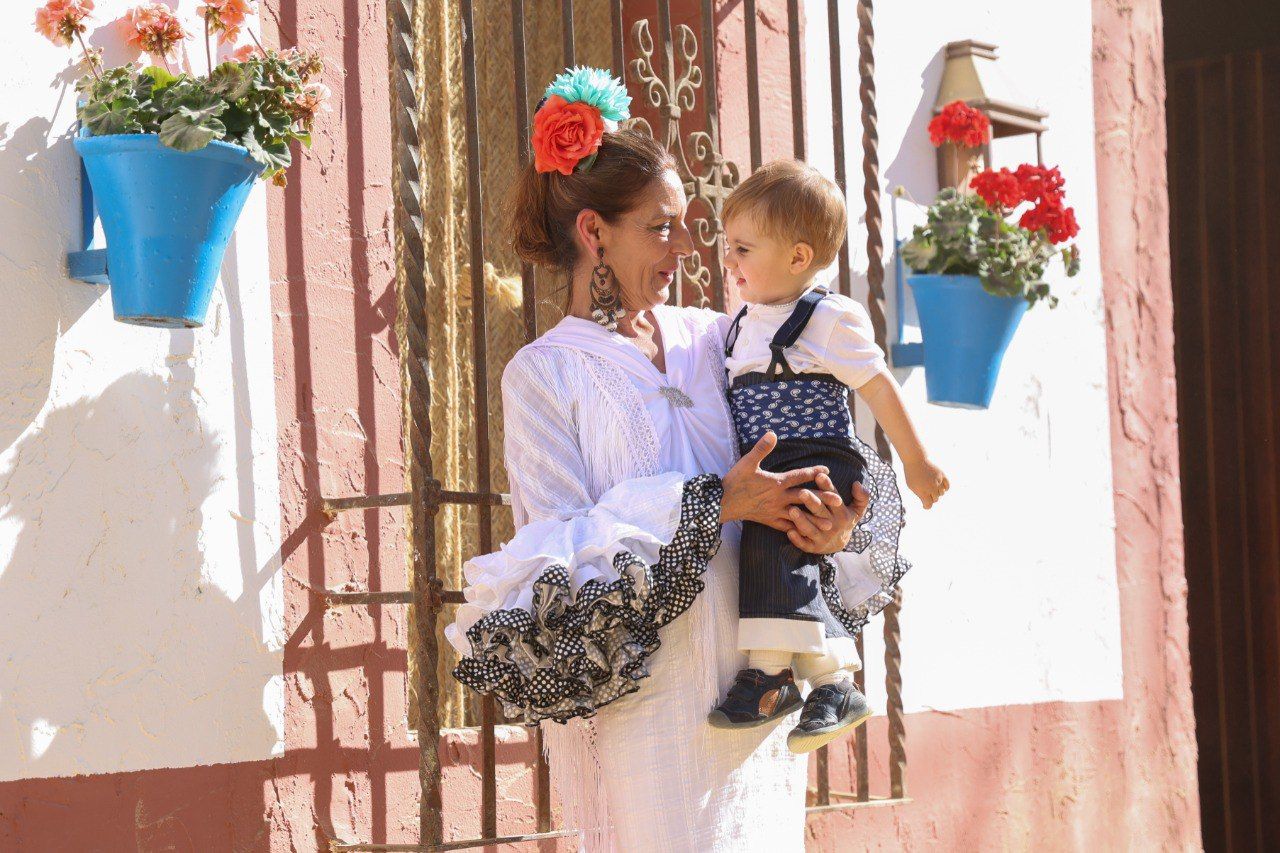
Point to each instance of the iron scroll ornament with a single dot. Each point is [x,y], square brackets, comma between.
[707,176]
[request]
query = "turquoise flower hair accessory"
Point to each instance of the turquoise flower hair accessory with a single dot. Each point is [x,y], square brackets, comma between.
[596,87]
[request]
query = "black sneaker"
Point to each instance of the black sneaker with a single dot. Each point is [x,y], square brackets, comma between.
[756,699]
[829,711]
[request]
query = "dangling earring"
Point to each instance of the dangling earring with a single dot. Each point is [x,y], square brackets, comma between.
[606,301]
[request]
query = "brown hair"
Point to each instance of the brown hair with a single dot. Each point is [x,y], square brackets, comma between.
[545,205]
[793,201]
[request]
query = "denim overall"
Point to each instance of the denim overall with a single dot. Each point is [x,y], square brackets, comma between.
[809,412]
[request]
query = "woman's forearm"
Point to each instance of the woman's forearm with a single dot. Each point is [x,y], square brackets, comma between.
[883,396]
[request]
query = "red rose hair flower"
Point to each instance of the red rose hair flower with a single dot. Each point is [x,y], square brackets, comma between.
[962,124]
[565,133]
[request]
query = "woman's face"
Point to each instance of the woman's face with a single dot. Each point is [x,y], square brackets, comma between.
[644,246]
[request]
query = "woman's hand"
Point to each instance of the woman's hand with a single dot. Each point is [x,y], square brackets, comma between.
[753,494]
[825,528]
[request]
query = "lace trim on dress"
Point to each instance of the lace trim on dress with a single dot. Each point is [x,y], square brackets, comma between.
[570,655]
[713,354]
[875,535]
[621,394]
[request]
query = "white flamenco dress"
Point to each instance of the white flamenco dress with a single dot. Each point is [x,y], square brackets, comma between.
[611,616]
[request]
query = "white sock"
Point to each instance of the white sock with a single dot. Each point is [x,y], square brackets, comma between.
[768,661]
[839,675]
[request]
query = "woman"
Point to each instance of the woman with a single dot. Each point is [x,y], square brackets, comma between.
[627,494]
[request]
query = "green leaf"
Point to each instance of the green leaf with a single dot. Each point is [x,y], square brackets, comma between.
[275,123]
[1071,260]
[111,117]
[229,81]
[161,78]
[190,130]
[201,101]
[274,155]
[238,119]
[918,253]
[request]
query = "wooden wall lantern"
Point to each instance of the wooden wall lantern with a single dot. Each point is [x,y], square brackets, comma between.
[971,75]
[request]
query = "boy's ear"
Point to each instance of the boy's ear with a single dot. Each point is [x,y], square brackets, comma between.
[801,258]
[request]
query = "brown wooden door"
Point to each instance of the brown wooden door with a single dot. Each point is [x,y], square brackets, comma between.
[1224,186]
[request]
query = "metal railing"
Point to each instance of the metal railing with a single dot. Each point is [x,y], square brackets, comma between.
[667,77]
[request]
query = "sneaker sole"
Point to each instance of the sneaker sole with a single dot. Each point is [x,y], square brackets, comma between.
[803,742]
[717,720]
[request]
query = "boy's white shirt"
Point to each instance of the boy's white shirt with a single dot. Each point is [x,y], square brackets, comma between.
[838,339]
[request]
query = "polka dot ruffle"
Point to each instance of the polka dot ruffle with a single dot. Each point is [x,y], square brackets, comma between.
[877,536]
[570,655]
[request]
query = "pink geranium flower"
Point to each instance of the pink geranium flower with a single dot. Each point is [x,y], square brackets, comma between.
[226,17]
[61,21]
[313,99]
[152,28]
[243,53]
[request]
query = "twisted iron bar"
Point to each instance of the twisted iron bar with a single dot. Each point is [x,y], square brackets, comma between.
[893,692]
[875,305]
[871,185]
[402,16]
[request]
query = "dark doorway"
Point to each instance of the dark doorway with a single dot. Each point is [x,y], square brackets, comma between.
[1222,64]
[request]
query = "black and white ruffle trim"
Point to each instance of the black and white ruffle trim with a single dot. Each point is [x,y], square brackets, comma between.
[568,656]
[876,535]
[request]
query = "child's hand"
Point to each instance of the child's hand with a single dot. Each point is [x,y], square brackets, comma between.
[927,481]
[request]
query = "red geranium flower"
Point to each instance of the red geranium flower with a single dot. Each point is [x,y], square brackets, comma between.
[1040,183]
[1057,221]
[564,134]
[998,189]
[962,124]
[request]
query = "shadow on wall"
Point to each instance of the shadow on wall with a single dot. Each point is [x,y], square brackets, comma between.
[102,599]
[39,224]
[915,165]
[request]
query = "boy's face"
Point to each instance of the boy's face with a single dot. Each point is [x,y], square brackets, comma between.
[766,269]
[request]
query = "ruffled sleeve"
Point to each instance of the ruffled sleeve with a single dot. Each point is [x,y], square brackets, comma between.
[563,618]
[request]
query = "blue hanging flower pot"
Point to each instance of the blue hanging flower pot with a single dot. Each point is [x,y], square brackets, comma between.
[966,332]
[167,216]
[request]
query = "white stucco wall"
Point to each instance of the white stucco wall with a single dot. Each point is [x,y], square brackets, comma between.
[1013,597]
[140,597]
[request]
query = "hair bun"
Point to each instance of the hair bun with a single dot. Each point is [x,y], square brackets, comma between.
[545,205]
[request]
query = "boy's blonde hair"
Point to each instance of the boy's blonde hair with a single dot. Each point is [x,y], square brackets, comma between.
[792,201]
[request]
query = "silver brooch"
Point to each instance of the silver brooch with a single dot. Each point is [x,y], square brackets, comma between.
[676,397]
